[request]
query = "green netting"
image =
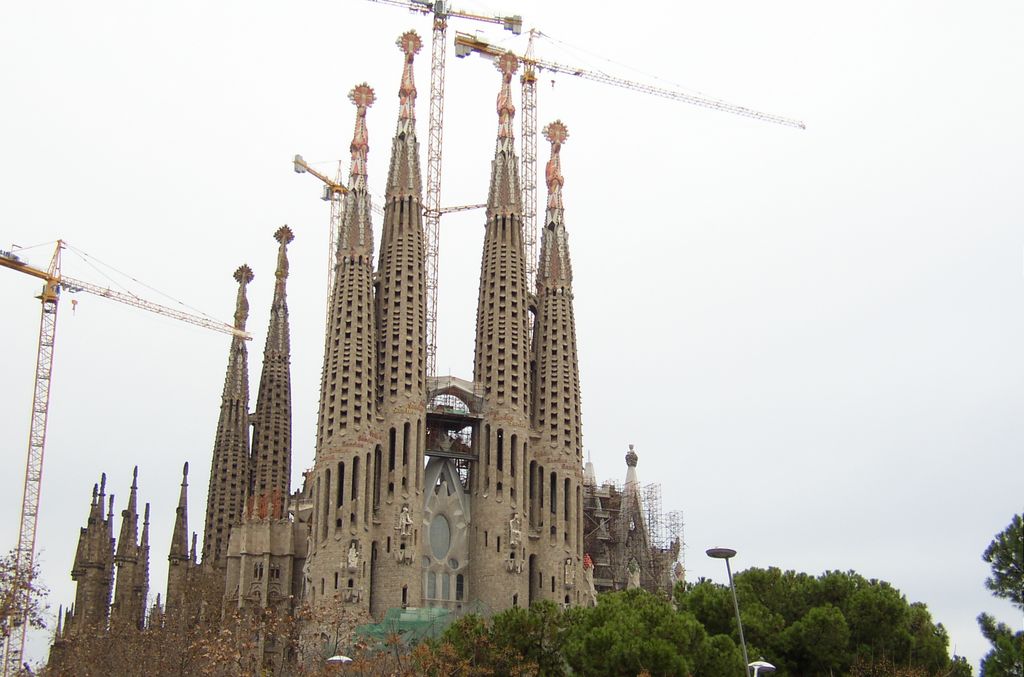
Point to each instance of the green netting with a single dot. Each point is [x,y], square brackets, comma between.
[411,625]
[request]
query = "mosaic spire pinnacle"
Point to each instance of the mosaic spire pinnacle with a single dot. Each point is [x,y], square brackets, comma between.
[507,64]
[555,269]
[404,173]
[356,235]
[410,44]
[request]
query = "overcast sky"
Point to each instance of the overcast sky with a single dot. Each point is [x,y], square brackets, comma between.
[812,337]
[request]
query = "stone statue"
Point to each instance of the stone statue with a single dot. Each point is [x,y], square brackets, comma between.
[515,530]
[634,574]
[405,522]
[569,572]
[353,556]
[589,597]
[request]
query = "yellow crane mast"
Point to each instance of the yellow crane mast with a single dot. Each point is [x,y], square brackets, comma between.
[53,283]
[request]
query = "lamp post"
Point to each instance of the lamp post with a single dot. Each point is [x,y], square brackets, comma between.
[761,667]
[726,553]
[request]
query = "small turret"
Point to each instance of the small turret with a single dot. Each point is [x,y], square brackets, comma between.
[128,537]
[179,536]
[179,564]
[128,609]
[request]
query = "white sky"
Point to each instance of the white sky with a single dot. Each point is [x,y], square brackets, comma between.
[812,338]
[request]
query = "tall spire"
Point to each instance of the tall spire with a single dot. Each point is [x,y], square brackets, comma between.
[401,301]
[501,368]
[501,362]
[401,316]
[556,399]
[347,401]
[272,422]
[229,468]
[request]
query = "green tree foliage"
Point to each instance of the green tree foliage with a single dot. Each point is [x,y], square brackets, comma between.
[535,634]
[808,625]
[708,603]
[632,632]
[819,641]
[1006,659]
[719,655]
[1005,554]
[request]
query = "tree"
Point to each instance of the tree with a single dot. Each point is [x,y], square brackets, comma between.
[1005,554]
[632,632]
[1006,659]
[471,642]
[535,634]
[719,655]
[13,580]
[815,625]
[819,642]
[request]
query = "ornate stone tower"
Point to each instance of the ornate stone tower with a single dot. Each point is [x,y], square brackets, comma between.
[401,366]
[229,469]
[131,559]
[266,549]
[180,563]
[501,369]
[271,457]
[556,467]
[93,570]
[348,431]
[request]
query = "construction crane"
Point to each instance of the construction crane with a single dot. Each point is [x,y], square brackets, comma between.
[466,44]
[53,283]
[432,209]
[334,192]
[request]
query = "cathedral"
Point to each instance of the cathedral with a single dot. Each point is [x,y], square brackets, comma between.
[424,492]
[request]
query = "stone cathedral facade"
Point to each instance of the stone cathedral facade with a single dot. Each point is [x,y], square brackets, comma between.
[457,493]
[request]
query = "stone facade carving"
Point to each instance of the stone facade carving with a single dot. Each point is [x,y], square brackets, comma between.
[352,558]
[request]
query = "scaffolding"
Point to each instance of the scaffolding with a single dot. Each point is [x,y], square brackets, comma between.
[625,523]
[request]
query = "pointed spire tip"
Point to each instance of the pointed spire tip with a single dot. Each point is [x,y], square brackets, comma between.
[410,43]
[243,275]
[362,95]
[284,234]
[556,132]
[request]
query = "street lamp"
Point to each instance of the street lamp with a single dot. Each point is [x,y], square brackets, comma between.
[761,667]
[726,553]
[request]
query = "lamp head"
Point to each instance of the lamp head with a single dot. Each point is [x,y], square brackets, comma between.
[720,553]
